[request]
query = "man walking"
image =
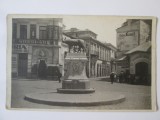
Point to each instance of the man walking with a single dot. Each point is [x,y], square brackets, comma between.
[112,77]
[59,77]
[58,74]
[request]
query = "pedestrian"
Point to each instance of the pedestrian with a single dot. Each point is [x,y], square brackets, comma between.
[112,77]
[59,77]
[58,74]
[115,77]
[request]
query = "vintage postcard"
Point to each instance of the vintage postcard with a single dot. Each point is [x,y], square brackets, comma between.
[73,62]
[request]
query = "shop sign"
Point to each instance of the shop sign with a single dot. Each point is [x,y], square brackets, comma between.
[126,34]
[45,42]
[20,48]
[122,34]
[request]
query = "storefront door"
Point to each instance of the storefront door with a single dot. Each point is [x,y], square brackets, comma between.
[22,64]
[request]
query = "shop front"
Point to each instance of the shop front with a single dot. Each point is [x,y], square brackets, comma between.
[20,60]
[32,61]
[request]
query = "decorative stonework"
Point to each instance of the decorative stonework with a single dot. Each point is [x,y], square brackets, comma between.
[140,57]
[76,79]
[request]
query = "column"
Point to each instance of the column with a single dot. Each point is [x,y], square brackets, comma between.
[28,31]
[95,69]
[101,70]
[29,61]
[55,55]
[18,30]
[37,31]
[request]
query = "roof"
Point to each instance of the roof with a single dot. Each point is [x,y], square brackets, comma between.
[141,48]
[111,46]
[78,30]
[122,58]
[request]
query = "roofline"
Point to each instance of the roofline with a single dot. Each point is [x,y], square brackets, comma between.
[126,25]
[135,52]
[97,41]
[69,36]
[67,31]
[109,44]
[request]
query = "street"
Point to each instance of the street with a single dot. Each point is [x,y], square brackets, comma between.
[138,97]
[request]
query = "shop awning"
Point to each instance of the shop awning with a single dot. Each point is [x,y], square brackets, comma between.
[141,48]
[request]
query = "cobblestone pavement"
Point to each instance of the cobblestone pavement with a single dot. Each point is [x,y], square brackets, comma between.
[138,97]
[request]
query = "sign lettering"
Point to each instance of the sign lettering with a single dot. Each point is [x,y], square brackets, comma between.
[20,48]
[33,42]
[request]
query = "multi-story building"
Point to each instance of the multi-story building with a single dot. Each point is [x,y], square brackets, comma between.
[113,51]
[36,41]
[134,48]
[132,33]
[99,54]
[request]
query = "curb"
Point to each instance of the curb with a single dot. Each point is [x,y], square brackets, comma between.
[71,103]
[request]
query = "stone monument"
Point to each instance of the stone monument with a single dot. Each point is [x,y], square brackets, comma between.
[76,80]
[75,83]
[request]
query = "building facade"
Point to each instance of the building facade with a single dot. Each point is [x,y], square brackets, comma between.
[134,49]
[133,33]
[35,42]
[99,54]
[113,51]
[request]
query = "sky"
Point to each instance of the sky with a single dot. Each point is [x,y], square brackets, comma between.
[104,26]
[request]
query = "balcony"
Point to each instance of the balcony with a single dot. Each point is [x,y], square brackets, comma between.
[94,52]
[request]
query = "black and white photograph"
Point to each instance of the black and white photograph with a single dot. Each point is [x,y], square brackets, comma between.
[81,62]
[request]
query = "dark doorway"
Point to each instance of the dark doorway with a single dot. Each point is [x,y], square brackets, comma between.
[22,64]
[42,69]
[142,72]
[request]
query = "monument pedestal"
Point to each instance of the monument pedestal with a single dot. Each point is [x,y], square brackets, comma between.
[76,80]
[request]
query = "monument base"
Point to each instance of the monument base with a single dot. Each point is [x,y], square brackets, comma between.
[75,91]
[75,86]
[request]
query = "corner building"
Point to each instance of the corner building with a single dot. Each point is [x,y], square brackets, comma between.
[134,49]
[35,41]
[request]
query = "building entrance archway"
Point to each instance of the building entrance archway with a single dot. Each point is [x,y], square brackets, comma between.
[142,72]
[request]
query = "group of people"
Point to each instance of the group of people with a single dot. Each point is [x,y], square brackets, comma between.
[119,78]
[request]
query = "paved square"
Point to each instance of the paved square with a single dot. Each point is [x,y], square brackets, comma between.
[138,97]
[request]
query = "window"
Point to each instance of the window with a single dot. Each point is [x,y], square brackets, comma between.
[42,32]
[50,32]
[56,33]
[32,31]
[23,31]
[14,31]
